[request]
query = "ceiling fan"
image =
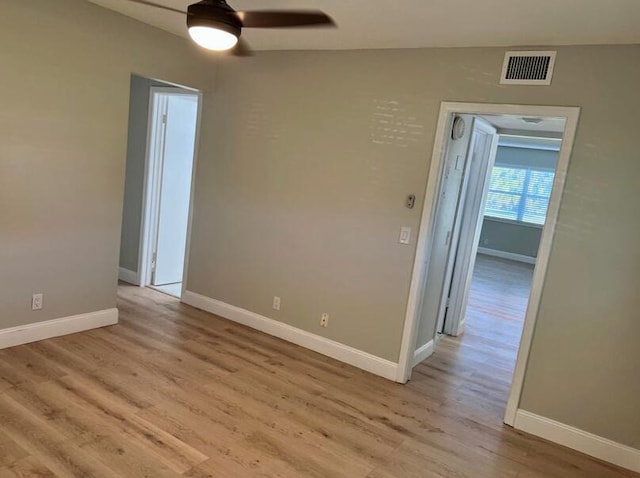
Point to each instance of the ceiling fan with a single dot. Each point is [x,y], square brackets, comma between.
[214,25]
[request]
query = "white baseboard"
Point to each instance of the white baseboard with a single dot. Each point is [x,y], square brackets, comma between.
[506,255]
[423,353]
[588,443]
[343,353]
[128,276]
[24,334]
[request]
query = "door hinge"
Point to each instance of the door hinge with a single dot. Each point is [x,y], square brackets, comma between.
[448,238]
[153,261]
[164,119]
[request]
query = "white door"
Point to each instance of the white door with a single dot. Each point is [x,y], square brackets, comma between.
[445,233]
[484,145]
[174,188]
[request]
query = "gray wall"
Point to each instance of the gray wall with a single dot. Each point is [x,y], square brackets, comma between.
[506,236]
[300,193]
[539,158]
[305,161]
[135,170]
[510,237]
[66,68]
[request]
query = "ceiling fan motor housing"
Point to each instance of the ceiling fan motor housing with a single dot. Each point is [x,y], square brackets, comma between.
[216,14]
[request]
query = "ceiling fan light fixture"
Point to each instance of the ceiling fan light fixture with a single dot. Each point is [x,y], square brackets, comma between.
[213,38]
[213,25]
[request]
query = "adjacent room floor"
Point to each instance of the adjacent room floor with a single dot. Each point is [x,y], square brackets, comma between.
[497,306]
[173,391]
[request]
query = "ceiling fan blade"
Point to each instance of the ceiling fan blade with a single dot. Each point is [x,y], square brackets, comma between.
[285,19]
[157,5]
[242,49]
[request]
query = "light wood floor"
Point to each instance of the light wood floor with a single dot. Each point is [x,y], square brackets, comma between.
[172,391]
[495,313]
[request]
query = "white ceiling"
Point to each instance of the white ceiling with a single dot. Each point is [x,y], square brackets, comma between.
[427,23]
[517,123]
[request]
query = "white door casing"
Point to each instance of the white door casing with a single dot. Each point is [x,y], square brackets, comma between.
[425,233]
[482,156]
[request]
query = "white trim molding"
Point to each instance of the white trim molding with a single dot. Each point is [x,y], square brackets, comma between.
[330,348]
[24,334]
[585,442]
[128,276]
[423,353]
[506,255]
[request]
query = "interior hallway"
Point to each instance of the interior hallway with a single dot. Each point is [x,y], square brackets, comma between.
[173,391]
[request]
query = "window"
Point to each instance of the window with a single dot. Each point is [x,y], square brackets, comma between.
[519,194]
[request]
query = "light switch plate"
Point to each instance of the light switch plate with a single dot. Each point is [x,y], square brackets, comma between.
[405,235]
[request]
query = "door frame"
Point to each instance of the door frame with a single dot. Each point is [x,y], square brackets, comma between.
[456,229]
[455,296]
[152,175]
[424,243]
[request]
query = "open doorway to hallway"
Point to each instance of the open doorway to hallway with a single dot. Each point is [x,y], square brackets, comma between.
[490,211]
[494,260]
[502,217]
[163,120]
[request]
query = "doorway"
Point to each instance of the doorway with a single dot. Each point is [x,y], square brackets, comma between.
[487,176]
[502,217]
[173,119]
[164,184]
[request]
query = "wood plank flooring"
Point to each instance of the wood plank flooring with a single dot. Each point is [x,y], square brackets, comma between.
[173,391]
[495,313]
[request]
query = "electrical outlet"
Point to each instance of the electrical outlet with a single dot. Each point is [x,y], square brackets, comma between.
[36,301]
[324,320]
[276,302]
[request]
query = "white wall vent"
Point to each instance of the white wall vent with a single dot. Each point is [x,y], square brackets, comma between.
[528,67]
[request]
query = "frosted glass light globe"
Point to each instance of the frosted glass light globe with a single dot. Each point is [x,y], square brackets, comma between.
[213,38]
